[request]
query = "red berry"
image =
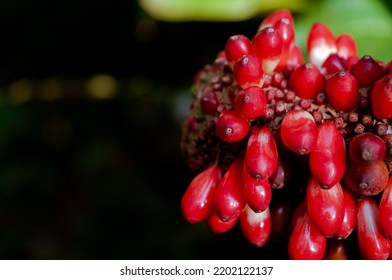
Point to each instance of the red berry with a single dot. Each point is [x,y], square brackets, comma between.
[261,155]
[228,198]
[216,225]
[251,103]
[286,30]
[320,43]
[325,207]
[231,127]
[256,227]
[306,81]
[366,179]
[346,46]
[327,161]
[341,90]
[385,211]
[372,244]
[209,102]
[333,64]
[196,203]
[299,131]
[306,242]
[276,16]
[366,71]
[350,215]
[257,194]
[367,148]
[248,71]
[236,47]
[267,45]
[382,98]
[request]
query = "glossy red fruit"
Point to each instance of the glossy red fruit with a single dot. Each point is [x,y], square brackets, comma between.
[367,148]
[286,30]
[251,103]
[217,226]
[366,71]
[372,244]
[228,198]
[276,16]
[366,179]
[197,201]
[325,207]
[306,81]
[320,43]
[350,215]
[257,193]
[346,46]
[267,45]
[256,227]
[290,60]
[327,161]
[382,98]
[248,71]
[385,211]
[341,90]
[209,102]
[261,155]
[333,64]
[305,242]
[299,131]
[237,46]
[231,127]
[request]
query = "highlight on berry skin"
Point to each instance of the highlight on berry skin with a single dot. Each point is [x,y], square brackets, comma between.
[293,146]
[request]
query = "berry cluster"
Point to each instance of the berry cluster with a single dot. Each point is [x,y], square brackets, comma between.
[266,127]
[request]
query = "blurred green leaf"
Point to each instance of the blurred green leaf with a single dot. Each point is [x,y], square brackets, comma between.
[215,10]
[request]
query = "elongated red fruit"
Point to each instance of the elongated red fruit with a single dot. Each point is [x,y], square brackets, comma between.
[320,43]
[306,242]
[197,201]
[228,198]
[268,45]
[366,71]
[274,17]
[350,215]
[372,244]
[328,160]
[385,211]
[237,46]
[306,81]
[346,45]
[256,227]
[341,90]
[261,156]
[248,71]
[299,131]
[216,225]
[325,207]
[382,98]
[257,193]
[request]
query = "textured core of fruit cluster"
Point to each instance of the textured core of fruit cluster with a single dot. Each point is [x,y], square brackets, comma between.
[293,150]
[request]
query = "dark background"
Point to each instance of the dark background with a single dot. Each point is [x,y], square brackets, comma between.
[90,177]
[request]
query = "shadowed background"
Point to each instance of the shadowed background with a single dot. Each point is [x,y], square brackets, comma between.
[92,97]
